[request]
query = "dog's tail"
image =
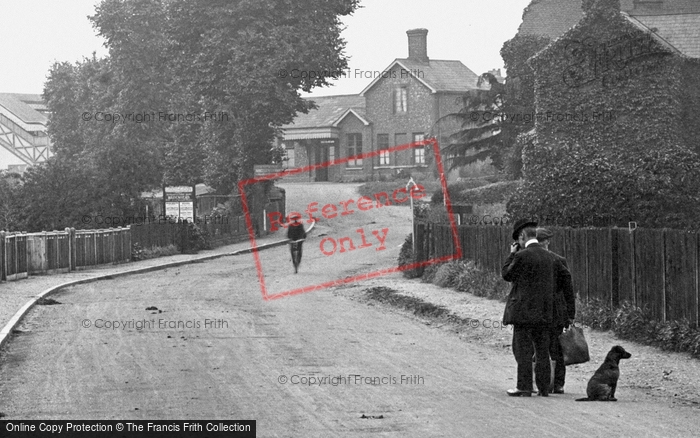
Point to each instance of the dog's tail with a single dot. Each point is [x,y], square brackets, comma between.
[584,399]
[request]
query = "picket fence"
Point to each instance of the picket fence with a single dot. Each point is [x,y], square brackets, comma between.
[656,269]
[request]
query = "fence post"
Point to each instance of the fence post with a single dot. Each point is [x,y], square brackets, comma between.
[71,248]
[633,254]
[663,274]
[2,256]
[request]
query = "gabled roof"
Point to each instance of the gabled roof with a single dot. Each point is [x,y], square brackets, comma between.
[437,75]
[323,121]
[357,113]
[674,23]
[681,31]
[330,110]
[24,109]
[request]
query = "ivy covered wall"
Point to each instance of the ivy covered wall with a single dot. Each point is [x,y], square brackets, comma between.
[617,135]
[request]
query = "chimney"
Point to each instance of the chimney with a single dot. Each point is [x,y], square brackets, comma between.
[418,44]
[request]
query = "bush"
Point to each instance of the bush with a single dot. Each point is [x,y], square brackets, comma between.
[481,283]
[637,324]
[138,253]
[198,239]
[406,257]
[480,191]
[465,276]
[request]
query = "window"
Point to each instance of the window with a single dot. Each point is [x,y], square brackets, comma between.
[400,100]
[384,158]
[383,146]
[354,148]
[418,151]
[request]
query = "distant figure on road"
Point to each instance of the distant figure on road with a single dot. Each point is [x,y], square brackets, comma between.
[564,310]
[529,307]
[296,233]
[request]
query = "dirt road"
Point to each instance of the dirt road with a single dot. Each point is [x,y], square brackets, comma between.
[311,365]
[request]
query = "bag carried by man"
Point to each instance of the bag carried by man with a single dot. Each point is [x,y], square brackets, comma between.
[574,346]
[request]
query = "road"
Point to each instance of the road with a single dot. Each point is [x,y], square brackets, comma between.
[245,358]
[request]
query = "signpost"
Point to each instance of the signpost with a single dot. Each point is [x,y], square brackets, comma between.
[413,213]
[179,202]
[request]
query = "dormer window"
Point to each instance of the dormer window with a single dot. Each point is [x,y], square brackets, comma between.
[400,100]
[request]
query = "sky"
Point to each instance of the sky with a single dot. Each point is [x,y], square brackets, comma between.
[34,34]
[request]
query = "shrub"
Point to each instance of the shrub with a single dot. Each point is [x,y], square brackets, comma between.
[481,283]
[637,324]
[466,276]
[138,253]
[406,257]
[483,192]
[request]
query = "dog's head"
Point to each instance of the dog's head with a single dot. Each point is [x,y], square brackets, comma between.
[616,353]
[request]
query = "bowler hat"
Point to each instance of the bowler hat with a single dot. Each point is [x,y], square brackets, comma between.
[544,234]
[520,224]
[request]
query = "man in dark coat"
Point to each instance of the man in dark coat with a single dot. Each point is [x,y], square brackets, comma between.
[530,307]
[295,232]
[564,310]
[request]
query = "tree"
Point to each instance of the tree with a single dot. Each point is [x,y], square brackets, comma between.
[9,201]
[493,118]
[225,58]
[195,93]
[478,134]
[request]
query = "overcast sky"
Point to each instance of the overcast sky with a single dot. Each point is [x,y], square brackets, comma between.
[36,33]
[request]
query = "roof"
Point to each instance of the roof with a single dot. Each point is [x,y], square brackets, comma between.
[25,107]
[675,22]
[329,112]
[682,31]
[437,75]
[551,18]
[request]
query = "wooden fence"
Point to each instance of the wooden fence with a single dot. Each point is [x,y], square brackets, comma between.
[22,254]
[658,269]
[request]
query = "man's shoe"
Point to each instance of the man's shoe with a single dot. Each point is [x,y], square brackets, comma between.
[519,393]
[557,390]
[542,394]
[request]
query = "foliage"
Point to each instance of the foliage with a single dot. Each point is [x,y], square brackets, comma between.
[195,91]
[637,324]
[9,202]
[466,276]
[635,164]
[406,257]
[138,253]
[478,135]
[198,239]
[462,193]
[492,117]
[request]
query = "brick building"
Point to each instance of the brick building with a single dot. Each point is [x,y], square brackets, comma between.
[399,106]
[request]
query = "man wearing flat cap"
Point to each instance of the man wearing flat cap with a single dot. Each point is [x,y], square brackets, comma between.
[530,307]
[564,310]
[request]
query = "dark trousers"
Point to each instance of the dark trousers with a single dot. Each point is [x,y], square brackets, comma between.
[527,341]
[292,247]
[557,355]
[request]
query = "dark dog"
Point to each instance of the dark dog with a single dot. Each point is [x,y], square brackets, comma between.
[604,382]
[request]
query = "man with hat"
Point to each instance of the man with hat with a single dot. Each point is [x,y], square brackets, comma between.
[564,310]
[529,307]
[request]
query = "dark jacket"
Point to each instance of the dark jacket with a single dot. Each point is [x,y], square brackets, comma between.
[296,232]
[531,299]
[564,299]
